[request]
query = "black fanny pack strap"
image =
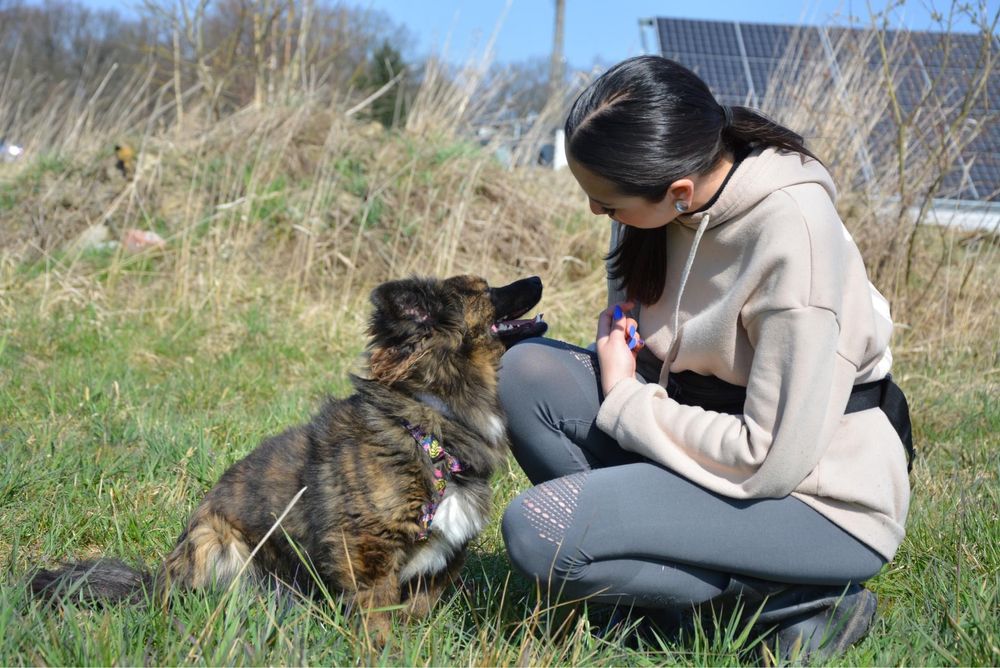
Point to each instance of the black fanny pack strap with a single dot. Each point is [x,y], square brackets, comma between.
[894,406]
[886,395]
[865,396]
[714,394]
[711,393]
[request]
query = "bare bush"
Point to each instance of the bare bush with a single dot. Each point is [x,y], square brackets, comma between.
[891,113]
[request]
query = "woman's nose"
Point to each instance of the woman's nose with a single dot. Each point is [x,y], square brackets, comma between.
[597,209]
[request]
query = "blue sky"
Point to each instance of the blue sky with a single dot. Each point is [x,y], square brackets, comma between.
[602,30]
[597,31]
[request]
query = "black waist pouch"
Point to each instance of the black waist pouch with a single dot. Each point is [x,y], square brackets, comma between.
[893,404]
[711,393]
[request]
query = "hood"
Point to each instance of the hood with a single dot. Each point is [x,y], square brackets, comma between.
[761,173]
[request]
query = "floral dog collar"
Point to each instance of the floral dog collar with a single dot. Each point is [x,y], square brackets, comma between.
[444,466]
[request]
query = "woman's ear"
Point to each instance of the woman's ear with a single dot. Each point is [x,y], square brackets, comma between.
[681,190]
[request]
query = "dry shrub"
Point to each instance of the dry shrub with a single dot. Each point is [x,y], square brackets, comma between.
[896,135]
[304,205]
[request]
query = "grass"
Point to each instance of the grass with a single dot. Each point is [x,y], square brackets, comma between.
[118,411]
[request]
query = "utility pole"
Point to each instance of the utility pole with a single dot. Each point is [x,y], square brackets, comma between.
[557,64]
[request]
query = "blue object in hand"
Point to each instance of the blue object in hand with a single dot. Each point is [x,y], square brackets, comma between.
[618,312]
[633,339]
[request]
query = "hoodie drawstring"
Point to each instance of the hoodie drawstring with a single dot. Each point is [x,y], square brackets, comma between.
[665,375]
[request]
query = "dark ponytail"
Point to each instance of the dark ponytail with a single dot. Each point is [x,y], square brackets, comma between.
[646,123]
[750,128]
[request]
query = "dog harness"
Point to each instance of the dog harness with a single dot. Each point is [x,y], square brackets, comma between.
[444,466]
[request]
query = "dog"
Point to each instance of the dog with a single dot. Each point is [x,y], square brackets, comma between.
[382,491]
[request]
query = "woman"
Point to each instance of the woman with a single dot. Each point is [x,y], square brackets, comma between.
[751,450]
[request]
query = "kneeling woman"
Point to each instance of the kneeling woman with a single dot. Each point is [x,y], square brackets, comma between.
[752,449]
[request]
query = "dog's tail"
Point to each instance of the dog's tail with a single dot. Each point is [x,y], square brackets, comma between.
[100,581]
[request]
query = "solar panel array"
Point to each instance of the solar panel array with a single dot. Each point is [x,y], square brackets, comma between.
[750,63]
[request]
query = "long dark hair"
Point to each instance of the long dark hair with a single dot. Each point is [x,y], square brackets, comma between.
[645,123]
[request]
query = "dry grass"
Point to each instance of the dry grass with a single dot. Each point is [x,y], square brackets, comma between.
[890,162]
[322,205]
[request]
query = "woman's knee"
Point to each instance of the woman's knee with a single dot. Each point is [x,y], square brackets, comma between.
[529,553]
[519,371]
[868,566]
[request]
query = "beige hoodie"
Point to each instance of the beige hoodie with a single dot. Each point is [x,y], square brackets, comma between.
[776,299]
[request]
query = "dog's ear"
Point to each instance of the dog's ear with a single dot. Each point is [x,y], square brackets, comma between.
[407,303]
[406,315]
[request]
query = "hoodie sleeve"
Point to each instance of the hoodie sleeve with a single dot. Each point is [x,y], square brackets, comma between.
[798,389]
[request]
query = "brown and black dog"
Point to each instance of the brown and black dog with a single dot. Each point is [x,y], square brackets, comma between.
[395,476]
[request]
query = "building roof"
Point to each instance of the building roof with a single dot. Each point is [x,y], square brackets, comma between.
[745,63]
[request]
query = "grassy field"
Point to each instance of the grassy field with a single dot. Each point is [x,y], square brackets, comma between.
[129,382]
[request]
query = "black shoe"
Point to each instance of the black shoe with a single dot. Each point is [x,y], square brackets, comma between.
[816,627]
[636,626]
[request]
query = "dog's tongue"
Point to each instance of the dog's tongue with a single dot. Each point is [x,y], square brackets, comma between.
[506,326]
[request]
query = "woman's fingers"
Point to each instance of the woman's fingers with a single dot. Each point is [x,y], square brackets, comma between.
[613,319]
[632,337]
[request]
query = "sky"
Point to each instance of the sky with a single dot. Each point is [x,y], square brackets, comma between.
[597,32]
[603,31]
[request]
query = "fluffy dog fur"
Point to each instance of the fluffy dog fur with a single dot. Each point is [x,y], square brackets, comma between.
[434,351]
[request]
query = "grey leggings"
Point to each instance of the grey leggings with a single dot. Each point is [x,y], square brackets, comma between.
[605,523]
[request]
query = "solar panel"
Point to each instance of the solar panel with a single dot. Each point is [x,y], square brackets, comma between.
[765,40]
[705,37]
[957,50]
[761,70]
[749,63]
[722,74]
[982,142]
[768,40]
[985,172]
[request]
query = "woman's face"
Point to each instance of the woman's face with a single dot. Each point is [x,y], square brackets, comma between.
[630,210]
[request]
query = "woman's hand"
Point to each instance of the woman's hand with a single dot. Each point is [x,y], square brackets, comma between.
[614,356]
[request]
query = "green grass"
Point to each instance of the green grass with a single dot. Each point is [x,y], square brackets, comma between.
[117,414]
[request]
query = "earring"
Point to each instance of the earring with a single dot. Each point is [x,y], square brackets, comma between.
[680,206]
